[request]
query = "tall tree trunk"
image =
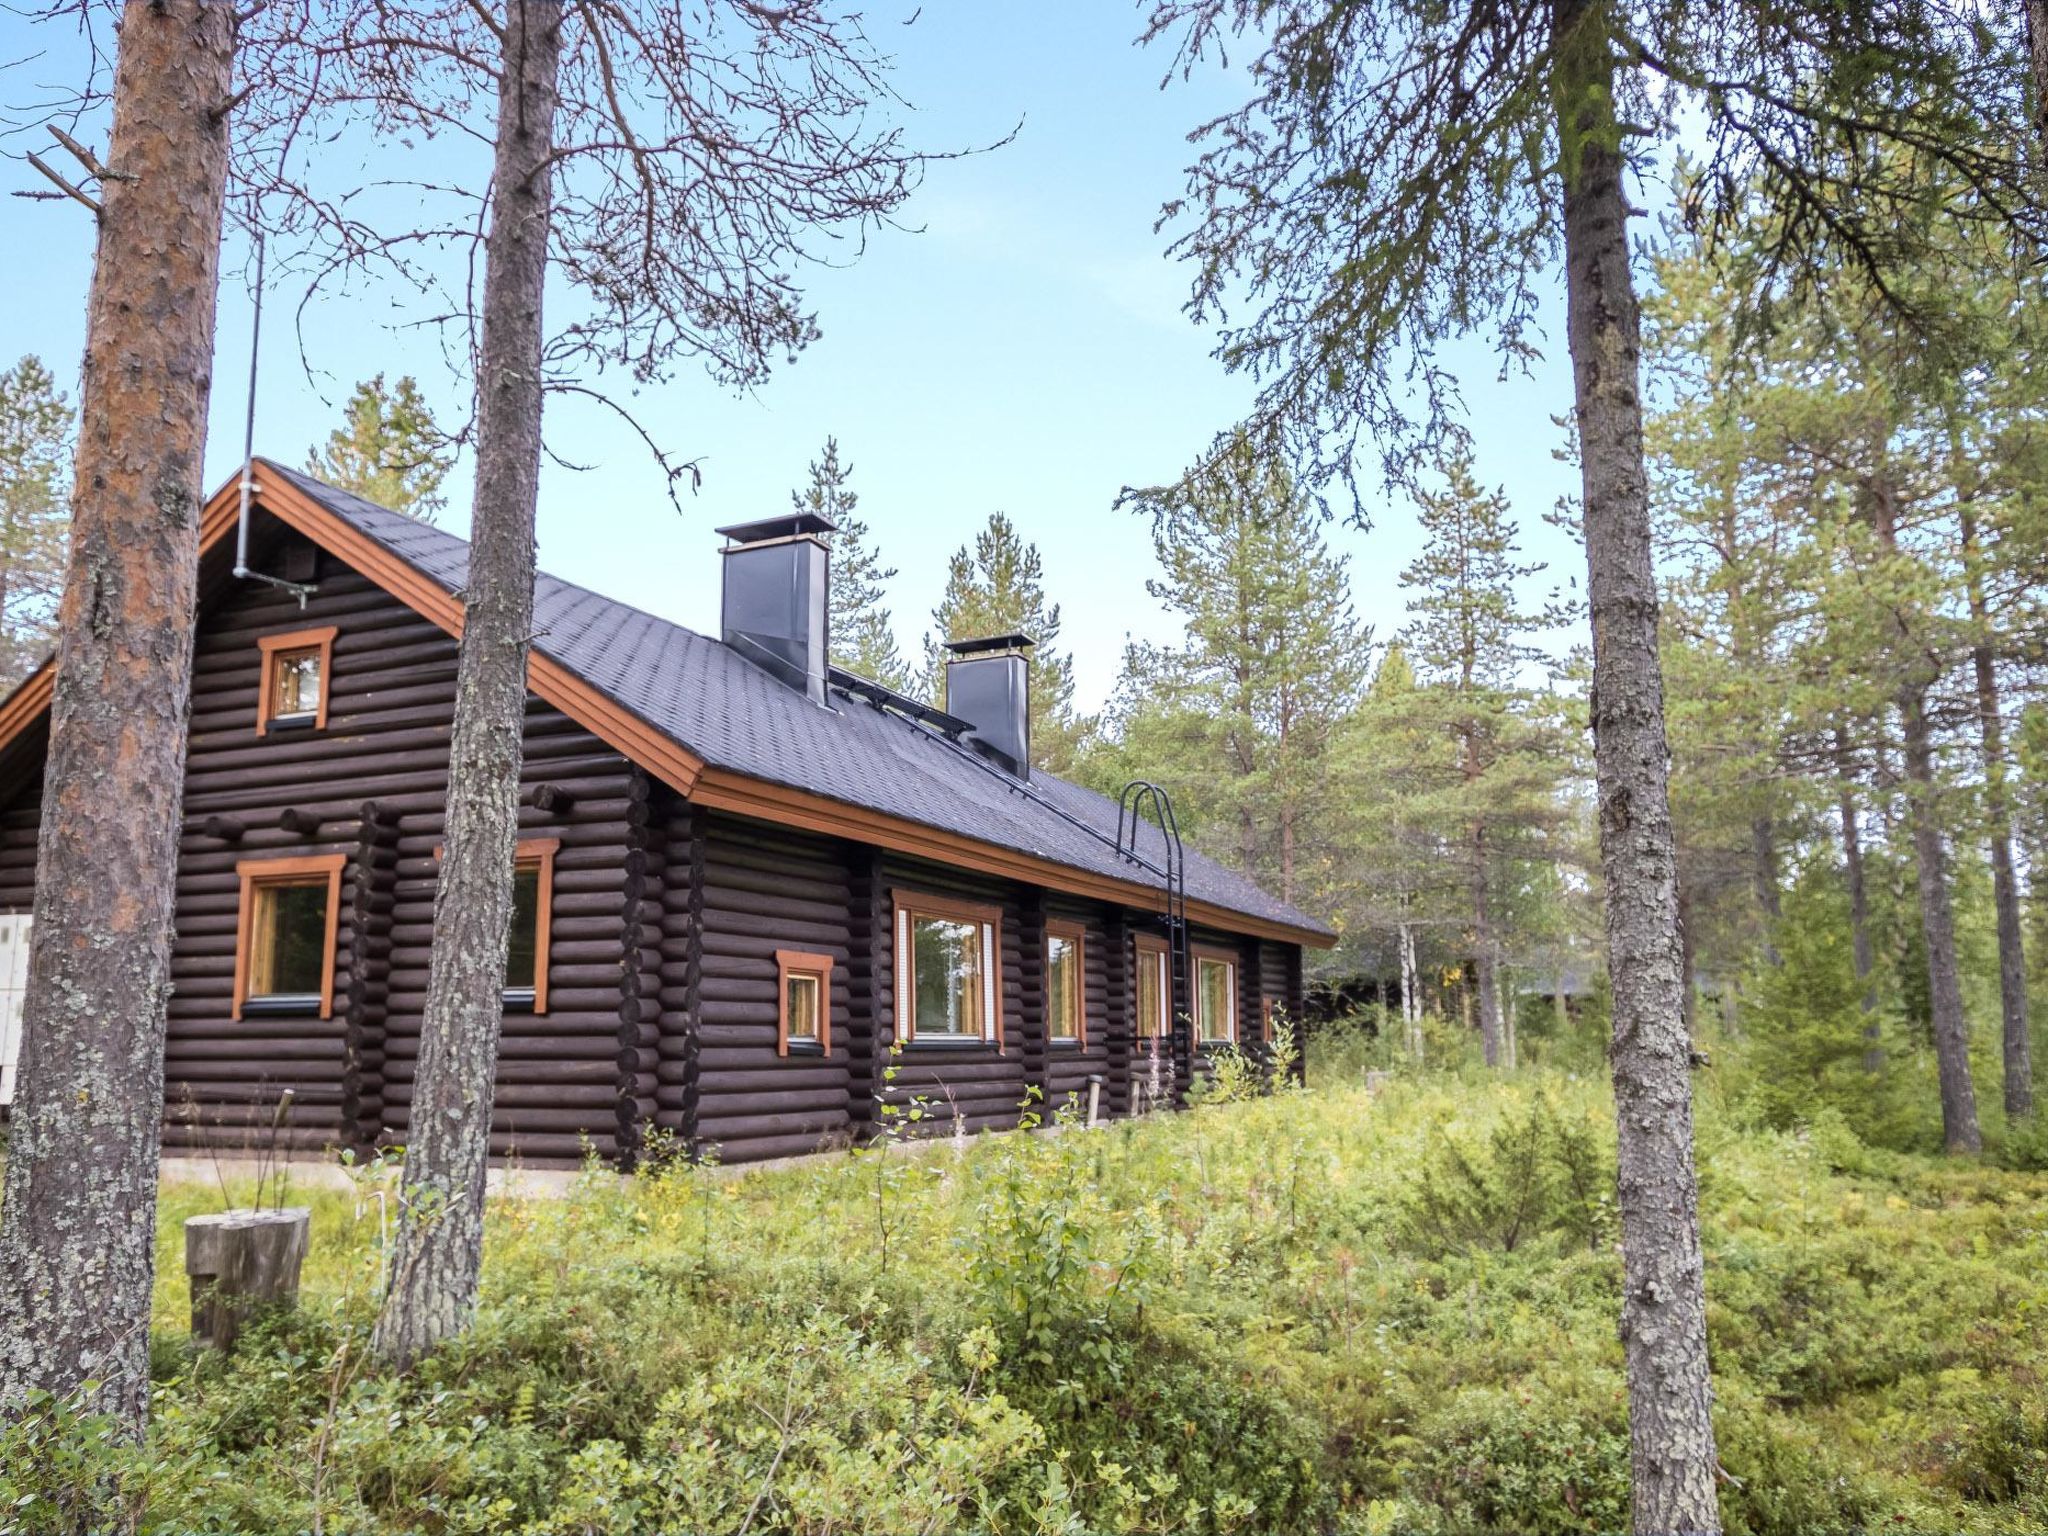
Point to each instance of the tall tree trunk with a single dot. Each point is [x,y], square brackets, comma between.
[1484,971]
[1763,851]
[78,1232]
[2005,888]
[2037,54]
[1411,998]
[1859,905]
[1937,927]
[1287,852]
[1504,980]
[439,1255]
[1663,1315]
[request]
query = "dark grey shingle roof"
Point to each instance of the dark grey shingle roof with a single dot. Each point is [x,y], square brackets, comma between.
[717,705]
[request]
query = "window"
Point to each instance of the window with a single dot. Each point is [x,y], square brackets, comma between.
[804,1018]
[526,942]
[15,928]
[285,933]
[1215,997]
[948,986]
[296,668]
[1066,1020]
[533,897]
[1155,988]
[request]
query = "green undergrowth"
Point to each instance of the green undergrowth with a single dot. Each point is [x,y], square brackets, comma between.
[1342,1310]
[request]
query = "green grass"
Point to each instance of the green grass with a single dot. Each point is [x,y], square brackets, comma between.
[1332,1311]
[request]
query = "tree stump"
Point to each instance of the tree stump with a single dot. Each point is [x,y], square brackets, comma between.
[241,1263]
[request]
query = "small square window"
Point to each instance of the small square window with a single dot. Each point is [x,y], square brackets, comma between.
[297,672]
[804,1007]
[295,677]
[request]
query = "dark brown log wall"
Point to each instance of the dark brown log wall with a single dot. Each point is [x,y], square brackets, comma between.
[665,921]
[767,888]
[372,785]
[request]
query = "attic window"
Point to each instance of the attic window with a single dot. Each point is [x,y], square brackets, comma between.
[804,1011]
[1066,1020]
[296,669]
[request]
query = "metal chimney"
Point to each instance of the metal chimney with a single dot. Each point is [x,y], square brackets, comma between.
[776,589]
[988,684]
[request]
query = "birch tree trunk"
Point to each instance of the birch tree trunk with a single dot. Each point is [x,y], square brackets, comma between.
[78,1232]
[1938,929]
[1411,1000]
[1663,1317]
[439,1253]
[2005,887]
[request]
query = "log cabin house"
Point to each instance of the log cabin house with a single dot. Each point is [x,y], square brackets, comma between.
[743,877]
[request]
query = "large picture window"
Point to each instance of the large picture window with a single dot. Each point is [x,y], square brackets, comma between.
[1066,1018]
[804,1013]
[1215,997]
[948,977]
[296,669]
[285,935]
[1155,989]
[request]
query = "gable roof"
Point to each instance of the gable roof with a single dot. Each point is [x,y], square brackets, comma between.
[718,728]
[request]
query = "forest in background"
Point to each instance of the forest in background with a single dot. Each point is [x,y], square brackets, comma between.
[1851,539]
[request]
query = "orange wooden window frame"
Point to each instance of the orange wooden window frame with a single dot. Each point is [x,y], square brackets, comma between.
[1218,956]
[947,909]
[273,646]
[803,962]
[537,853]
[1077,935]
[1153,951]
[292,871]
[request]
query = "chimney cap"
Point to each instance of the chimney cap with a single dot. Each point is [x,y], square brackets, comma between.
[988,644]
[790,525]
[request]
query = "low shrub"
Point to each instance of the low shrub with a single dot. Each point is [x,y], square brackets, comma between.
[1339,1310]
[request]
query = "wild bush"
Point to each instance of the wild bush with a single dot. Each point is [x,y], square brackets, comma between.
[1336,1310]
[1536,1173]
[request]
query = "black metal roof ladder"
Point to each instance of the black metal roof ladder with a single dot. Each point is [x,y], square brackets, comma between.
[1168,1080]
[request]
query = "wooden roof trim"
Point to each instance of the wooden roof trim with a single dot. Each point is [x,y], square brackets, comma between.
[721,789]
[549,679]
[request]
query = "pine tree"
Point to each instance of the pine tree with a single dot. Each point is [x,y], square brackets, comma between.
[1242,715]
[1469,645]
[863,638]
[35,513]
[996,587]
[78,1222]
[388,450]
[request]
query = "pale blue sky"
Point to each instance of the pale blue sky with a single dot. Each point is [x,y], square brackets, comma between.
[1024,350]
